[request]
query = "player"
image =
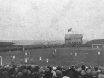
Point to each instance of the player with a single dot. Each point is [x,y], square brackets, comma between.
[55,50]
[26,60]
[12,58]
[40,58]
[98,52]
[54,54]
[21,61]
[47,60]
[75,54]
[71,54]
[32,61]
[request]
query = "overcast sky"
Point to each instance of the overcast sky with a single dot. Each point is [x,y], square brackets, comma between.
[50,19]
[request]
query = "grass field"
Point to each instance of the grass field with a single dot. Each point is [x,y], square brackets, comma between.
[63,56]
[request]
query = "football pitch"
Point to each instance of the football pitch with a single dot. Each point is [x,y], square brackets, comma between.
[56,56]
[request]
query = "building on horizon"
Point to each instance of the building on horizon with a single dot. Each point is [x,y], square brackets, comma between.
[96,43]
[6,44]
[73,40]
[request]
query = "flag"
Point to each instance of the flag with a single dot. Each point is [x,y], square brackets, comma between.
[69,29]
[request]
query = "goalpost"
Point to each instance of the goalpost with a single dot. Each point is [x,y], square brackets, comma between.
[97,45]
[1,60]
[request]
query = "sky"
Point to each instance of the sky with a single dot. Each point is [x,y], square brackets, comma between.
[51,19]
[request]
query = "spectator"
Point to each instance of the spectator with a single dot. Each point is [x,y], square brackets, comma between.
[35,71]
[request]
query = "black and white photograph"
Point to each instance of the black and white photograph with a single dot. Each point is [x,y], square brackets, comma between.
[51,38]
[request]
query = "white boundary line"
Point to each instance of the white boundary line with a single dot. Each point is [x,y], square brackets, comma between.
[78,63]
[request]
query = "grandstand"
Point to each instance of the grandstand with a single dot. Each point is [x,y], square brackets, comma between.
[96,43]
[6,44]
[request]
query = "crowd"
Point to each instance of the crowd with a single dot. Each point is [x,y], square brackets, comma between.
[35,71]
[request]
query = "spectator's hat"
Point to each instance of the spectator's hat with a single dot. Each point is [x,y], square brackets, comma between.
[16,69]
[88,71]
[47,69]
[79,69]
[58,73]
[54,68]
[83,72]
[19,74]
[24,71]
[29,72]
[94,73]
